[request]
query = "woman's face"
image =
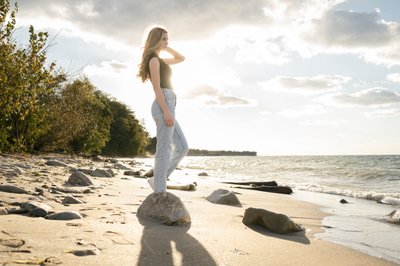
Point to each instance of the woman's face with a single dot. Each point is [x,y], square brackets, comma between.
[164,41]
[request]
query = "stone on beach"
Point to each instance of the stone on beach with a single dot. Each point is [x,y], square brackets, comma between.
[79,179]
[56,163]
[393,217]
[71,200]
[36,209]
[3,211]
[274,222]
[223,196]
[13,189]
[67,215]
[132,173]
[102,173]
[164,207]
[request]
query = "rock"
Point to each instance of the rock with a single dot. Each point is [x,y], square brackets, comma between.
[393,217]
[185,187]
[13,189]
[56,163]
[3,211]
[274,222]
[36,209]
[223,196]
[121,166]
[71,200]
[101,173]
[111,172]
[85,171]
[164,207]
[132,173]
[255,183]
[203,174]
[67,215]
[343,201]
[149,173]
[273,189]
[79,179]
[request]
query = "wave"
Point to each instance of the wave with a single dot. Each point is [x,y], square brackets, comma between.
[380,197]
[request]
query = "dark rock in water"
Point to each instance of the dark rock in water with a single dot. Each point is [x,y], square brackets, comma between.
[13,189]
[36,209]
[273,189]
[203,174]
[277,223]
[223,196]
[149,173]
[56,163]
[101,173]
[263,183]
[393,217]
[79,179]
[68,215]
[71,200]
[343,201]
[164,207]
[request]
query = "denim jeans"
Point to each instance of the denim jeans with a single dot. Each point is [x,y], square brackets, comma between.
[171,143]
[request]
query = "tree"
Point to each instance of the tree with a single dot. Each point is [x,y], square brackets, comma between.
[80,119]
[127,135]
[26,84]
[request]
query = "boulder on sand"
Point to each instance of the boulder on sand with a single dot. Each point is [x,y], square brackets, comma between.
[164,207]
[79,179]
[274,222]
[223,196]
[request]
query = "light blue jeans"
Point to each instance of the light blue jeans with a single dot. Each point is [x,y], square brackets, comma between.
[171,143]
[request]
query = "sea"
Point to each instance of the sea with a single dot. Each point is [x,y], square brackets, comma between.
[369,183]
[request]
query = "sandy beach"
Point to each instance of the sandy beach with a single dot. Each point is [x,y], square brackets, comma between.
[110,233]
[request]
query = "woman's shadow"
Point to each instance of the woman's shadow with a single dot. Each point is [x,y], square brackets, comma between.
[157,241]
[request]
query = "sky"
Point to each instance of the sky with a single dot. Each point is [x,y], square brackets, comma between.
[279,77]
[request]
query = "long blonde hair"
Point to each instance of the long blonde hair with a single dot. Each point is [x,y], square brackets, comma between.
[153,41]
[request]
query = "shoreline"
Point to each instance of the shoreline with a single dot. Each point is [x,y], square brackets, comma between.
[216,235]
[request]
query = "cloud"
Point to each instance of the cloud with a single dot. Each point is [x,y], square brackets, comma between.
[211,96]
[305,85]
[394,77]
[109,69]
[363,33]
[329,123]
[384,113]
[125,19]
[367,97]
[307,110]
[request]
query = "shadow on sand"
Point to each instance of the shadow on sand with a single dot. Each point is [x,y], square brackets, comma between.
[299,237]
[157,241]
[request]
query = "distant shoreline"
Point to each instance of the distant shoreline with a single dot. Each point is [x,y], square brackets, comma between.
[196,152]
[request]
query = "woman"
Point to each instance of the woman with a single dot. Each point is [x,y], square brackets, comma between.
[171,143]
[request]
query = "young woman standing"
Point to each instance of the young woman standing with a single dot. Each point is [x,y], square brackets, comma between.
[171,142]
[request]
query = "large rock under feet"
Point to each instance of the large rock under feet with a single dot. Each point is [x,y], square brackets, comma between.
[164,207]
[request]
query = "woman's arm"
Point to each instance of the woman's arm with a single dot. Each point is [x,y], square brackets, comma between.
[177,57]
[154,66]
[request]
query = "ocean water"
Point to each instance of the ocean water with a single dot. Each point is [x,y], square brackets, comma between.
[371,185]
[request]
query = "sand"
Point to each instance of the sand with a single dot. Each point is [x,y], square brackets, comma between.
[111,234]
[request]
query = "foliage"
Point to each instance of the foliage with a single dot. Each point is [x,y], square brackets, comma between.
[80,119]
[40,111]
[127,136]
[25,85]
